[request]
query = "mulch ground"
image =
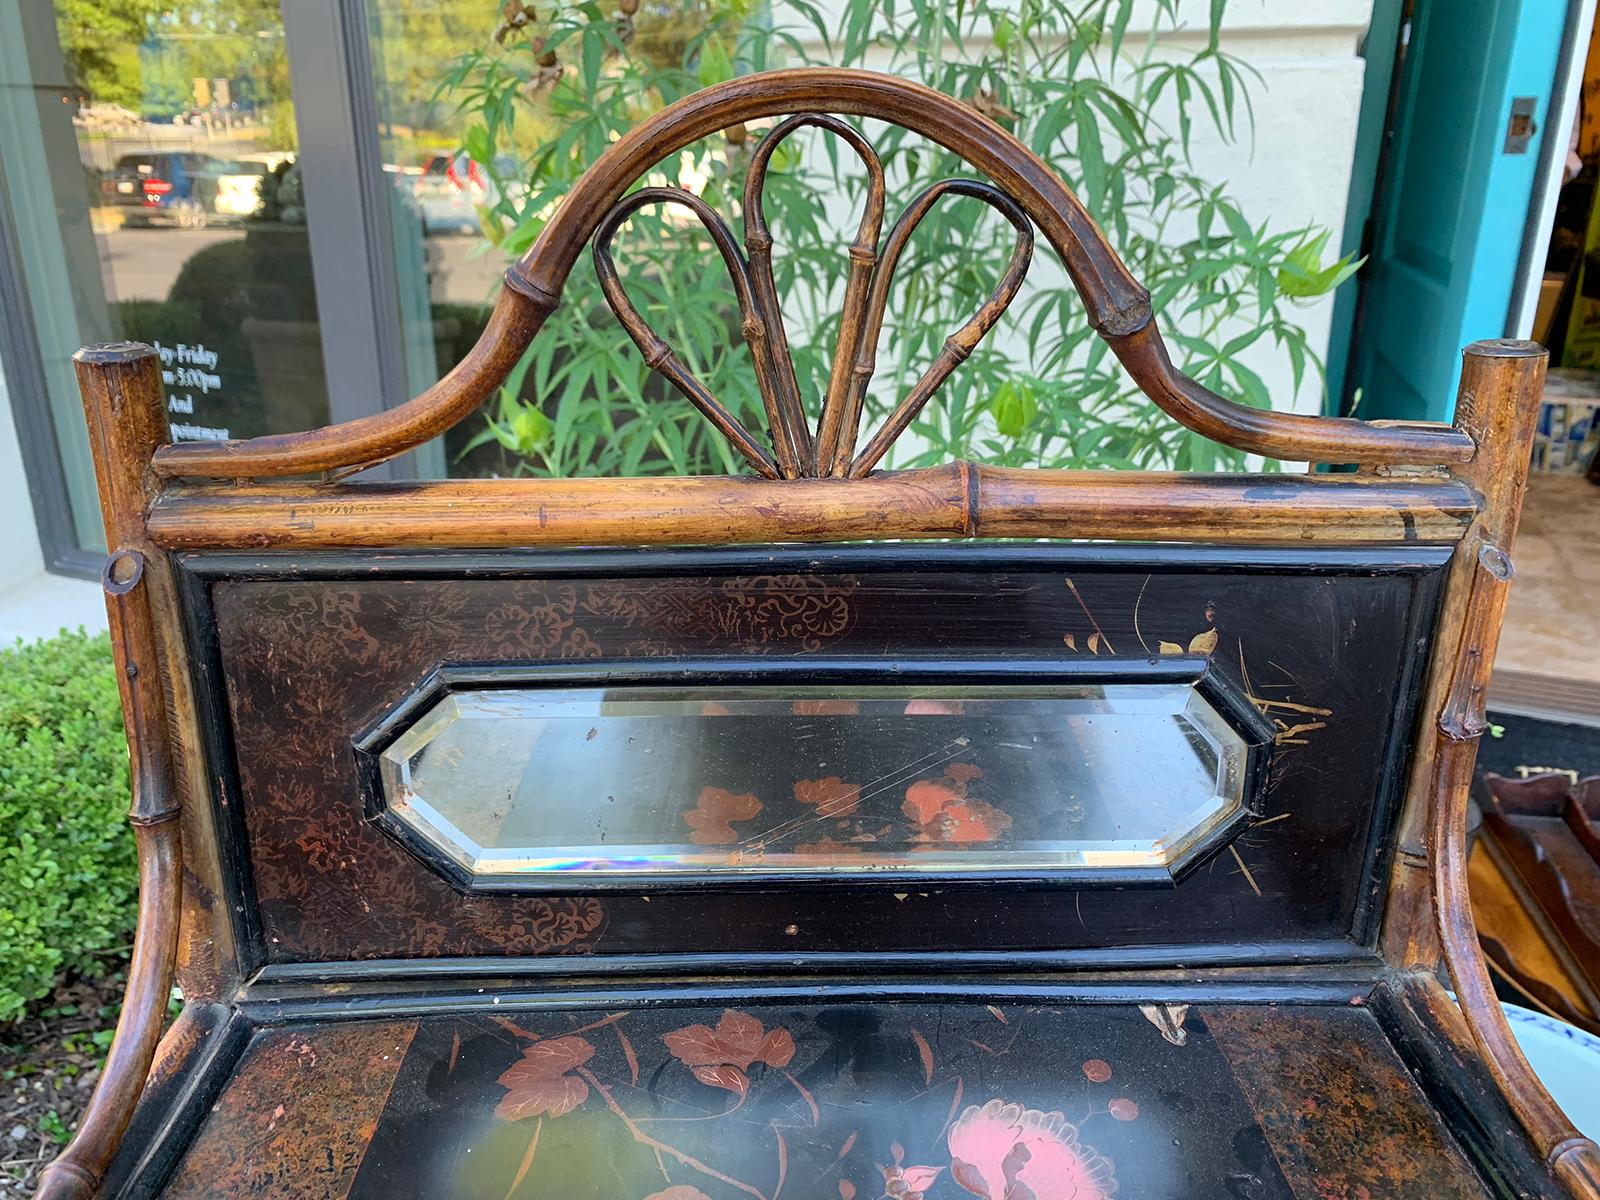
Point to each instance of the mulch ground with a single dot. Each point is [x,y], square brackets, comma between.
[49,1062]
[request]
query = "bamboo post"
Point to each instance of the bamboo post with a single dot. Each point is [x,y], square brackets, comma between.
[1498,406]
[126,411]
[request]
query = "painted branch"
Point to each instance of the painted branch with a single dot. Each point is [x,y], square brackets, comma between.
[960,500]
[1119,308]
[76,1173]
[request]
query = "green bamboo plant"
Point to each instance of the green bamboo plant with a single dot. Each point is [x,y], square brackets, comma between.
[1114,115]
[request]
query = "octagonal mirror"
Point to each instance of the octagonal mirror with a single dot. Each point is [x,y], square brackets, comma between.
[527,784]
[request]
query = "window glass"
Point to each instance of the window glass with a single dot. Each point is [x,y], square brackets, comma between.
[153,185]
[849,780]
[447,272]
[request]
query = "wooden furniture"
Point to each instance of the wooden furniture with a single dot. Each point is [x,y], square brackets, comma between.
[638,837]
[1534,876]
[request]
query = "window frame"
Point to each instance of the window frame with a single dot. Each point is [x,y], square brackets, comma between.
[26,385]
[357,295]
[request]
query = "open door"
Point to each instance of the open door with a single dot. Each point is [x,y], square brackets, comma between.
[1453,198]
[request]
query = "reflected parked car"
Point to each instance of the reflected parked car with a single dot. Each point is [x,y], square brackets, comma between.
[239,189]
[471,180]
[165,187]
[445,207]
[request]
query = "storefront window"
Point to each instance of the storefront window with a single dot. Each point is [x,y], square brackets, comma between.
[157,194]
[272,194]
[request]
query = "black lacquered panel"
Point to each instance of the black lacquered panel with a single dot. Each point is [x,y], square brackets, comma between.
[313,655]
[830,1102]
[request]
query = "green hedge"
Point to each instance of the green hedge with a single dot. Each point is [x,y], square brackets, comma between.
[68,876]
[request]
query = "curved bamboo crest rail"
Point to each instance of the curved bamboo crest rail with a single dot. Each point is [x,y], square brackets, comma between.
[1022,187]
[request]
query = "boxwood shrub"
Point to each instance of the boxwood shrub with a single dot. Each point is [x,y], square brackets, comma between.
[68,876]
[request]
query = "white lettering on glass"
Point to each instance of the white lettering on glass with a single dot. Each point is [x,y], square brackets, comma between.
[185,370]
[194,356]
[198,433]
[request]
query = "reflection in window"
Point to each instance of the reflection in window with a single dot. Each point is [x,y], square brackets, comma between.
[154,186]
[832,780]
[442,202]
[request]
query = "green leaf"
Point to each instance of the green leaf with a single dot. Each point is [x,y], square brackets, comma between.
[478,145]
[1119,26]
[1005,32]
[1014,407]
[1303,275]
[1091,156]
[716,64]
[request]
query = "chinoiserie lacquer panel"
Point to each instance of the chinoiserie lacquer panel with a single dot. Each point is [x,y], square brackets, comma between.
[843,1101]
[1327,652]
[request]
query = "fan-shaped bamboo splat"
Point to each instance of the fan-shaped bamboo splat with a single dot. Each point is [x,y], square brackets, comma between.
[796,451]
[1017,183]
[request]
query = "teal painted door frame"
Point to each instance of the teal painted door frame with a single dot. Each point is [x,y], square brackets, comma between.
[1448,221]
[1380,49]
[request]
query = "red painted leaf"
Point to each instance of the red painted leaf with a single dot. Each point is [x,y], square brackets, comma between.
[527,1159]
[955,1105]
[728,1078]
[542,1095]
[627,1053]
[926,799]
[738,1040]
[553,1056]
[710,821]
[831,797]
[925,1053]
[740,1035]
[777,1048]
[805,1094]
[694,1045]
[539,1084]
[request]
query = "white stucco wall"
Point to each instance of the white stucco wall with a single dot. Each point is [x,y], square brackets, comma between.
[1296,169]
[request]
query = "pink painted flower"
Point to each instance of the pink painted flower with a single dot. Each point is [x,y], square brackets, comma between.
[1005,1152]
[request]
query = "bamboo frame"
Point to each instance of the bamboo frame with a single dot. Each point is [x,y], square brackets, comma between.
[152,513]
[958,500]
[1118,306]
